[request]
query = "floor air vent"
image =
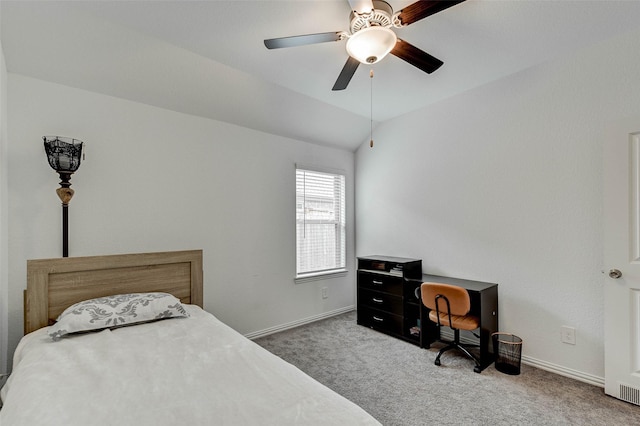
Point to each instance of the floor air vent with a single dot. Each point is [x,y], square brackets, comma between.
[629,394]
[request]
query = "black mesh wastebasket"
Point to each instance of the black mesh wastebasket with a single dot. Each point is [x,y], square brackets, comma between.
[507,349]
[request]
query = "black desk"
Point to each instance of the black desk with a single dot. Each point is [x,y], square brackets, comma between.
[484,305]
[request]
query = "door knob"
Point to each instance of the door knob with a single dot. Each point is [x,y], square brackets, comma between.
[615,274]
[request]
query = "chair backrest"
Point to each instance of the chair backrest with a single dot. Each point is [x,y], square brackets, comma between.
[458,297]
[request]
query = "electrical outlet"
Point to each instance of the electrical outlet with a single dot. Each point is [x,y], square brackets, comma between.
[325,293]
[568,335]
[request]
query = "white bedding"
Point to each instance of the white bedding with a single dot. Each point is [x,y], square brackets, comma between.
[186,371]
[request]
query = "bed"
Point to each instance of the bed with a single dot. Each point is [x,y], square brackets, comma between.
[188,368]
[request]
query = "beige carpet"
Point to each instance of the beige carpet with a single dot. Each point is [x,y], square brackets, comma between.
[398,383]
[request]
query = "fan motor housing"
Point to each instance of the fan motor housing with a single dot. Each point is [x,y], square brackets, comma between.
[379,16]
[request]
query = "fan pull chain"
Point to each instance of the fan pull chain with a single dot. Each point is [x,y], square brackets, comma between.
[371,112]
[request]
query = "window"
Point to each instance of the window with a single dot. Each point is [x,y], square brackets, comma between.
[320,222]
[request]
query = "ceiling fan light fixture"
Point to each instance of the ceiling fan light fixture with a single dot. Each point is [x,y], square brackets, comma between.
[369,45]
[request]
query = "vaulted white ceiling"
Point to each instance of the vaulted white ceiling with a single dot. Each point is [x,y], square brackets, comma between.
[207,58]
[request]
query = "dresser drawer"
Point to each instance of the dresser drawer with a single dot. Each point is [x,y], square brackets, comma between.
[380,320]
[380,301]
[380,282]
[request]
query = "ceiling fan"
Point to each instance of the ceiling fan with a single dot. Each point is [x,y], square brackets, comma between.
[370,37]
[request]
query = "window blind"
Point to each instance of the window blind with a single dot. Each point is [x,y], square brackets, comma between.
[320,222]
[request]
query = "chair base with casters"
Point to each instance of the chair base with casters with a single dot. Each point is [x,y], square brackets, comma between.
[449,306]
[463,348]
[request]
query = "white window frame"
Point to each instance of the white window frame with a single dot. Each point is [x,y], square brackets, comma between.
[338,220]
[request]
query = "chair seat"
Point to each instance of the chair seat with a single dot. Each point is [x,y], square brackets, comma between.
[466,322]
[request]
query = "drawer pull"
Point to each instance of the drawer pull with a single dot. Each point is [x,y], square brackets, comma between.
[378,319]
[377,300]
[377,282]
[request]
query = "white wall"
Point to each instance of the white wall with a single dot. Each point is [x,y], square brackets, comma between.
[503,184]
[4,190]
[156,180]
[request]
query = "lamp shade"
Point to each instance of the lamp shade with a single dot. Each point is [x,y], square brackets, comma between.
[64,154]
[371,44]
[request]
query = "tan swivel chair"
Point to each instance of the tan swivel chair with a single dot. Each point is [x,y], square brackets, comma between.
[449,306]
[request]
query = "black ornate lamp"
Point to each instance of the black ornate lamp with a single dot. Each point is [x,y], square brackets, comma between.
[64,155]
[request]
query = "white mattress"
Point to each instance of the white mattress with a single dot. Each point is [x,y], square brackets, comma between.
[188,371]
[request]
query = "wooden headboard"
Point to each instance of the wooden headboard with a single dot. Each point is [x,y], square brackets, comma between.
[55,284]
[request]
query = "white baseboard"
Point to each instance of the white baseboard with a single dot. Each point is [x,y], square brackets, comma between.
[543,365]
[564,371]
[298,323]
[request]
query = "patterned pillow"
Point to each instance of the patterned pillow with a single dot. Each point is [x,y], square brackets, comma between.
[116,311]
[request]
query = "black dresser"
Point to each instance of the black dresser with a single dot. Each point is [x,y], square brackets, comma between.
[386,295]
